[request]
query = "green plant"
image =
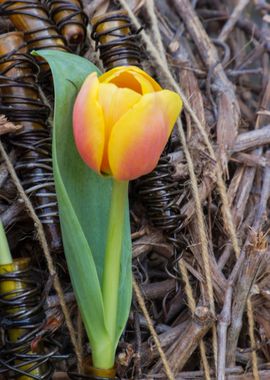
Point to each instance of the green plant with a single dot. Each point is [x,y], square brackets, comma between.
[121,121]
[84,200]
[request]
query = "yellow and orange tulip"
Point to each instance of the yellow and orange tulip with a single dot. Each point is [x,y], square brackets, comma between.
[122,121]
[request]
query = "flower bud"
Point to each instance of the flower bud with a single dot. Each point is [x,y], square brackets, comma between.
[122,121]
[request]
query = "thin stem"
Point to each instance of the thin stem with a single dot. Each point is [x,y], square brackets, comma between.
[5,255]
[112,261]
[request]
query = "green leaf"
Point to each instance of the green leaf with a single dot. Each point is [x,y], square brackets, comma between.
[84,204]
[5,255]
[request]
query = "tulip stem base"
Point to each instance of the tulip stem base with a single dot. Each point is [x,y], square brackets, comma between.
[112,263]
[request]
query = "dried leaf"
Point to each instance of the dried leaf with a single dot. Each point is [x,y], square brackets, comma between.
[7,127]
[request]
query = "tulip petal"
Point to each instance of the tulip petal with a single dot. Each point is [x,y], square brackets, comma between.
[88,123]
[139,137]
[115,102]
[131,77]
[133,81]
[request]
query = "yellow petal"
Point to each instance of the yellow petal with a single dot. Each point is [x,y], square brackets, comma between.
[131,77]
[139,137]
[88,123]
[146,76]
[115,102]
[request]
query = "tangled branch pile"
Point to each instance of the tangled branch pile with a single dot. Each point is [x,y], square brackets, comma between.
[200,221]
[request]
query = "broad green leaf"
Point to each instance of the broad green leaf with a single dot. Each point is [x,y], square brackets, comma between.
[84,203]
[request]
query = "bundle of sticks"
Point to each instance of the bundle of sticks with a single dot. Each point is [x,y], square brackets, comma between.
[200,220]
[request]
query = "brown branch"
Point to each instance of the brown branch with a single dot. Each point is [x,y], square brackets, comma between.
[245,24]
[53,301]
[227,104]
[157,290]
[224,321]
[250,160]
[149,351]
[232,20]
[252,139]
[261,213]
[142,305]
[218,279]
[179,352]
[243,141]
[242,191]
[152,240]
[253,253]
[13,213]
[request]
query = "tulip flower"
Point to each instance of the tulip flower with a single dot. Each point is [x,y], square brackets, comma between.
[122,121]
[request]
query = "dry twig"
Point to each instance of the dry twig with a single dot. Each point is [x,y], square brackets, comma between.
[8,127]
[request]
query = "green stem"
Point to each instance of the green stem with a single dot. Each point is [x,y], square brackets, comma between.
[112,262]
[5,255]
